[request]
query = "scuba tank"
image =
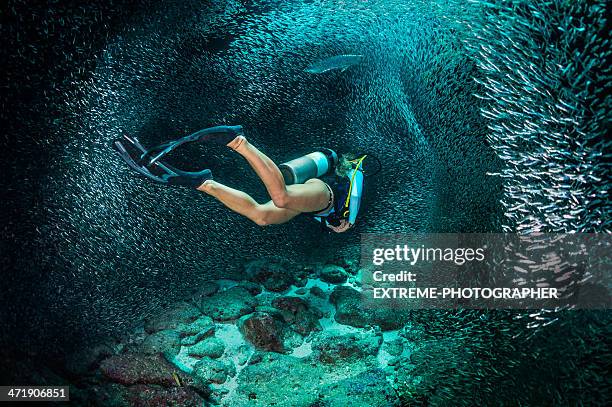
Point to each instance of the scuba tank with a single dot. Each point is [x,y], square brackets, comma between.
[311,165]
[348,199]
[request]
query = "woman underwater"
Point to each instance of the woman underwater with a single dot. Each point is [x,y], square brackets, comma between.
[293,191]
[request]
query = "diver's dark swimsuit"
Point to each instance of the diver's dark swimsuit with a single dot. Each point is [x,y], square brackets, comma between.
[330,203]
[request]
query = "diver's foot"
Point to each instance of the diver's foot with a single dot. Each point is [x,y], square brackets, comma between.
[206,186]
[238,143]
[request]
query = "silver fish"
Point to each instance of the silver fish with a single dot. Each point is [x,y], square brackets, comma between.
[342,62]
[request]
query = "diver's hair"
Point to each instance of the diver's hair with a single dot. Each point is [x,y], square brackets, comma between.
[344,164]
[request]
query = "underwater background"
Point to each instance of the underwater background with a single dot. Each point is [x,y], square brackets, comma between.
[487,117]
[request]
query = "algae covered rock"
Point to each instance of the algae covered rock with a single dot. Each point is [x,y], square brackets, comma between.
[132,368]
[171,318]
[350,264]
[205,289]
[352,309]
[211,347]
[366,389]
[166,342]
[394,347]
[116,395]
[275,274]
[256,357]
[279,381]
[214,370]
[242,355]
[264,331]
[317,291]
[229,304]
[283,380]
[298,313]
[333,274]
[251,287]
[333,346]
[192,333]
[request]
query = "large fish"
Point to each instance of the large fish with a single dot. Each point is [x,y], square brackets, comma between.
[341,62]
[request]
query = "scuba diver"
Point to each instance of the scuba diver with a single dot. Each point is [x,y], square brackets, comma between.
[294,187]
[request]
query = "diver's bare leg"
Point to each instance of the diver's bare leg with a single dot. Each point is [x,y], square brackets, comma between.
[244,204]
[308,197]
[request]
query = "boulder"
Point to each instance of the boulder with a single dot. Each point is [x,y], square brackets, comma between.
[137,368]
[333,274]
[264,331]
[366,389]
[333,346]
[211,347]
[298,313]
[192,333]
[206,289]
[352,309]
[214,370]
[171,318]
[229,304]
[269,309]
[251,287]
[166,342]
[317,291]
[275,274]
[394,347]
[281,380]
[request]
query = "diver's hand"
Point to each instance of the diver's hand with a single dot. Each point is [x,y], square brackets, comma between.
[342,227]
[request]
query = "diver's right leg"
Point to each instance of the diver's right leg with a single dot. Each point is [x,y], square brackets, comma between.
[242,203]
[307,197]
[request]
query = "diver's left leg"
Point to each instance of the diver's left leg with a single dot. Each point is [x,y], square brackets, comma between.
[242,203]
[311,196]
[270,214]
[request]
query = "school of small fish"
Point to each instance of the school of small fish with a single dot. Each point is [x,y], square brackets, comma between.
[546,83]
[489,115]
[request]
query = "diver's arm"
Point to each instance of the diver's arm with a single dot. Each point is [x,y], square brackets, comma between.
[342,227]
[355,202]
